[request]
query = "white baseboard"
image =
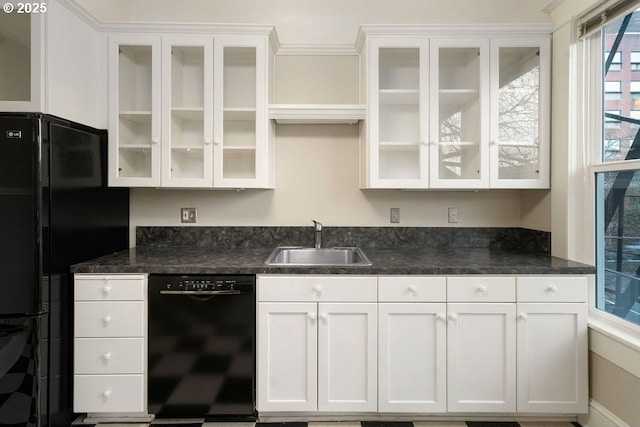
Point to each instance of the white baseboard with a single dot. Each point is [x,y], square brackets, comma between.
[599,416]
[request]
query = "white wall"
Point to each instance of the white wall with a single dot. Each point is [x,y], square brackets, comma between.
[317,178]
[76,68]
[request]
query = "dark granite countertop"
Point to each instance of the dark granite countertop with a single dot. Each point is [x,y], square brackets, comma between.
[241,260]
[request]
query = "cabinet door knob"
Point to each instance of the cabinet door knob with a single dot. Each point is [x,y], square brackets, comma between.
[453,316]
[324,317]
[207,141]
[216,141]
[440,316]
[522,316]
[312,316]
[317,289]
[106,356]
[155,140]
[552,288]
[424,142]
[106,290]
[107,319]
[482,289]
[413,289]
[106,394]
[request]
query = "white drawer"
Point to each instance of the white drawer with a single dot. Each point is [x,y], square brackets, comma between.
[109,319]
[318,288]
[552,289]
[109,287]
[481,289]
[108,356]
[108,393]
[412,289]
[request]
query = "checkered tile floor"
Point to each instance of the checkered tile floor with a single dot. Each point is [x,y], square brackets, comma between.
[200,423]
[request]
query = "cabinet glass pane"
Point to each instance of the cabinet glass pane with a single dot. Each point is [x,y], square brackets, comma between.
[15,57]
[518,116]
[459,113]
[134,109]
[187,112]
[239,116]
[399,113]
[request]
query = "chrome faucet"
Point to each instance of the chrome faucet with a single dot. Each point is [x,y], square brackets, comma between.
[317,228]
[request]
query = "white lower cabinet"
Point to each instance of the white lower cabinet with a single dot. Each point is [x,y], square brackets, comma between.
[287,356]
[481,357]
[347,362]
[317,347]
[110,344]
[552,345]
[460,344]
[412,337]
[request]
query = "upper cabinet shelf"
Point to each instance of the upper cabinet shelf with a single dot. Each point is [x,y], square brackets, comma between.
[317,113]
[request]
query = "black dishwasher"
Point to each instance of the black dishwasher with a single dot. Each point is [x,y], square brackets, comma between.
[202,346]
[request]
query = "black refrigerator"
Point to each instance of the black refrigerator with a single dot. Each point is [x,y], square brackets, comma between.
[55,210]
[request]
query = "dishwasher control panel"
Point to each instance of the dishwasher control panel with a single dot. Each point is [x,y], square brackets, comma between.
[205,283]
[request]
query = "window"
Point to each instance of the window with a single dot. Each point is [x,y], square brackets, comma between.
[612,90]
[616,62]
[612,119]
[635,61]
[618,184]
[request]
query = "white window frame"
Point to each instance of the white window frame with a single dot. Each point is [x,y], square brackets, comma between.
[588,130]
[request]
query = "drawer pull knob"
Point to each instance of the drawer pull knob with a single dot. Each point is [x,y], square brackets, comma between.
[413,289]
[482,289]
[553,288]
[312,316]
[317,289]
[324,317]
[106,290]
[453,316]
[107,319]
[106,394]
[106,356]
[440,316]
[523,316]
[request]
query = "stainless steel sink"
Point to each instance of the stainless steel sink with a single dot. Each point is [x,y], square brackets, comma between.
[297,255]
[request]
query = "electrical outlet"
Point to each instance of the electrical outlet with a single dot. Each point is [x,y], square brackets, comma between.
[453,215]
[394,216]
[188,215]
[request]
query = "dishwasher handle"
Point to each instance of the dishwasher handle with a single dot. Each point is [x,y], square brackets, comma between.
[202,293]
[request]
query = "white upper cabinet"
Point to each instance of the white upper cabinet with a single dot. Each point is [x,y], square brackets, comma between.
[134,110]
[190,110]
[459,113]
[187,111]
[449,112]
[396,126]
[20,61]
[520,89]
[242,131]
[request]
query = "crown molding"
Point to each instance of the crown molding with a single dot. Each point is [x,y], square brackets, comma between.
[317,48]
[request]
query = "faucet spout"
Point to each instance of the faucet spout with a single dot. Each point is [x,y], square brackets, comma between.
[317,228]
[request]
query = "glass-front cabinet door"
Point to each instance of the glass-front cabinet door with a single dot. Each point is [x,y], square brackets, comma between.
[397,126]
[241,131]
[459,113]
[519,148]
[187,125]
[21,41]
[134,110]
